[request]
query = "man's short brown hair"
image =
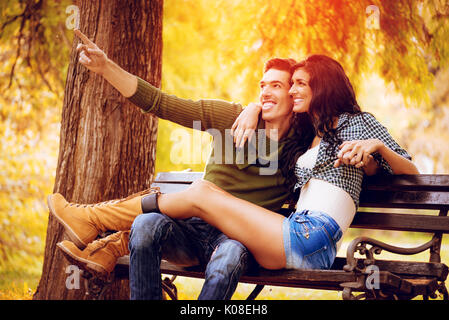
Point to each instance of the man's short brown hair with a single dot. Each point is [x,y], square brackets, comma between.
[280,64]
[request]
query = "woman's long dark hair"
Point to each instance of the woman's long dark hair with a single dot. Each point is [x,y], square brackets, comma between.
[332,95]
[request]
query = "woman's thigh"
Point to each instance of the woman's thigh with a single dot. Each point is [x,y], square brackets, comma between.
[259,229]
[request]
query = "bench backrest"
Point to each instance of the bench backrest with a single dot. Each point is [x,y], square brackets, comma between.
[427,195]
[425,199]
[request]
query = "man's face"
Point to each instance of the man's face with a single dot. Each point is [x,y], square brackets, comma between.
[276,102]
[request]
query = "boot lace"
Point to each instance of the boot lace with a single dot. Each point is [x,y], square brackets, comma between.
[101,243]
[115,201]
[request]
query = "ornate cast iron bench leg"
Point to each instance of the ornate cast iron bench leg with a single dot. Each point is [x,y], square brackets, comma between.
[363,270]
[443,290]
[169,287]
[96,287]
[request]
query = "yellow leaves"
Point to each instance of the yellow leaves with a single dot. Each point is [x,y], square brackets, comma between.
[179,148]
[28,155]
[216,49]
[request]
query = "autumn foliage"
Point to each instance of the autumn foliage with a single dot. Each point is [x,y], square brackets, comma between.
[395,52]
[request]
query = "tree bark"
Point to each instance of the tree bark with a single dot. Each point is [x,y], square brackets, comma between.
[107,146]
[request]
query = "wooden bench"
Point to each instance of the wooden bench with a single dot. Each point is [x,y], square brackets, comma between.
[359,275]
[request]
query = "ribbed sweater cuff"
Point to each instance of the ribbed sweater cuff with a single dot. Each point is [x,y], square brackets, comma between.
[146,96]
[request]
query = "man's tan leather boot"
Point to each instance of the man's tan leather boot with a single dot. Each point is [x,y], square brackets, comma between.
[83,222]
[100,256]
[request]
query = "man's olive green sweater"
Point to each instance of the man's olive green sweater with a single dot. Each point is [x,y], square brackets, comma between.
[242,180]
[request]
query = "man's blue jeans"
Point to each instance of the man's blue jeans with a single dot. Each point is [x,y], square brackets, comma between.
[184,242]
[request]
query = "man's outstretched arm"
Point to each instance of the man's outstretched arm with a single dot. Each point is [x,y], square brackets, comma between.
[212,113]
[94,59]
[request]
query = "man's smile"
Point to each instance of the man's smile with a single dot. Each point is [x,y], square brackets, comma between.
[268,104]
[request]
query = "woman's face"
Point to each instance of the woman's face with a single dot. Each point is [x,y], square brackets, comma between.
[300,91]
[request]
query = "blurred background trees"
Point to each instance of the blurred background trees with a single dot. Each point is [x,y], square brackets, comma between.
[395,52]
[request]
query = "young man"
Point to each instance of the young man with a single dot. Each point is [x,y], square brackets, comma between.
[155,236]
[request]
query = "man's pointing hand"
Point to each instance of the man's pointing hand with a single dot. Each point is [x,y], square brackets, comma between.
[90,56]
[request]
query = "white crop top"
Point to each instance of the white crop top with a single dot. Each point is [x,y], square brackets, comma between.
[320,195]
[308,159]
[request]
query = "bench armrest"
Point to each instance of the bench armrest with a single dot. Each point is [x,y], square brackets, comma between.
[360,244]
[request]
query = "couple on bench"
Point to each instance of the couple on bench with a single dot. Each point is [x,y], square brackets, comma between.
[324,145]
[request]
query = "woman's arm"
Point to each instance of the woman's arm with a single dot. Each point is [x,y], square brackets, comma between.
[357,152]
[246,124]
[398,163]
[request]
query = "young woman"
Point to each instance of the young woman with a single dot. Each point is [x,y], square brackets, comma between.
[329,175]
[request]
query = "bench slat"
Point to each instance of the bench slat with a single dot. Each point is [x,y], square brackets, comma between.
[422,182]
[404,199]
[401,191]
[170,187]
[313,279]
[178,177]
[401,222]
[328,279]
[406,268]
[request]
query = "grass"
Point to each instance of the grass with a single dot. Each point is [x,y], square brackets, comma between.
[19,283]
[189,288]
[20,277]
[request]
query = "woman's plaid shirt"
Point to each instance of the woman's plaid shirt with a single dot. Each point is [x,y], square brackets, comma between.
[360,126]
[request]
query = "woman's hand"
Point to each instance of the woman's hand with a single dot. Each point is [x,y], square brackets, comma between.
[245,125]
[358,153]
[90,56]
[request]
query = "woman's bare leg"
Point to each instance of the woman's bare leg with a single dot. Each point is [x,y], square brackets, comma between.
[259,229]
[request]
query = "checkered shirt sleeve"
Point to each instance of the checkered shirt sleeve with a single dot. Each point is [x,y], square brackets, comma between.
[374,129]
[350,127]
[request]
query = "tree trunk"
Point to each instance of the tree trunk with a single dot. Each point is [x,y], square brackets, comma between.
[107,146]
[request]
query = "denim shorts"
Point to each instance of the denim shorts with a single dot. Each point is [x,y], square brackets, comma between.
[310,240]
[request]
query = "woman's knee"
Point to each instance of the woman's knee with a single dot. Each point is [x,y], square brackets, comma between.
[202,189]
[196,192]
[198,186]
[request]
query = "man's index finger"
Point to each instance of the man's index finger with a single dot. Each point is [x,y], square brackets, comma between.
[83,37]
